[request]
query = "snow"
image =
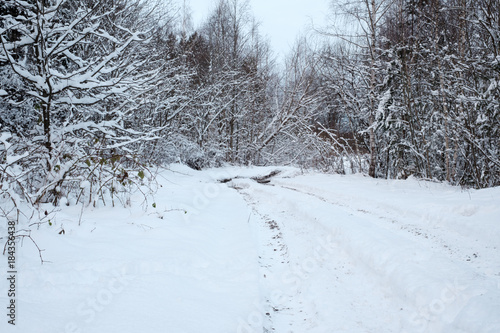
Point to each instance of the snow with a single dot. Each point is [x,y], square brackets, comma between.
[4,136]
[12,159]
[305,252]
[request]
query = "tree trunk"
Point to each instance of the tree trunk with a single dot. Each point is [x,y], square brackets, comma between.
[373,149]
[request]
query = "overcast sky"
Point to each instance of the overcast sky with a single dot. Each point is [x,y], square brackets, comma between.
[281,20]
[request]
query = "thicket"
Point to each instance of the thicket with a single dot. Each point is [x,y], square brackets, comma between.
[95,95]
[418,82]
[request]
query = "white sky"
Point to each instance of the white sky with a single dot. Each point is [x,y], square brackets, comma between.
[281,20]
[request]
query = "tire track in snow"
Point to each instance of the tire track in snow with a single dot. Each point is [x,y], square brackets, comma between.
[442,296]
[278,301]
[319,284]
[415,226]
[452,298]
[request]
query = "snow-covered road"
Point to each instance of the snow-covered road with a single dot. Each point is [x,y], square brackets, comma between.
[349,254]
[309,282]
[219,251]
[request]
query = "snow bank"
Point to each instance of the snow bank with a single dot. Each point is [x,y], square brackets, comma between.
[179,267]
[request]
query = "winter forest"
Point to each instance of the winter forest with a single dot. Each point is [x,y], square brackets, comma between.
[95,94]
[163,175]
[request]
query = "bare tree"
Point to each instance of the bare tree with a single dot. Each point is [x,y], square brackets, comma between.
[364,19]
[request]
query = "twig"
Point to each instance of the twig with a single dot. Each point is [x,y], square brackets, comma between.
[33,241]
[38,248]
[81,214]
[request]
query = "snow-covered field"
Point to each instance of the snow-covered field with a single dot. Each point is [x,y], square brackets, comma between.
[302,253]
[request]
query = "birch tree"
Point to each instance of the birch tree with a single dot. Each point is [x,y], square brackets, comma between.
[365,18]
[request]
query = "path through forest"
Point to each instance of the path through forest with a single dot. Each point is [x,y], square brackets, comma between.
[381,257]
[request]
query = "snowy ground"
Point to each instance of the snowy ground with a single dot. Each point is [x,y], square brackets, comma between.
[302,253]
